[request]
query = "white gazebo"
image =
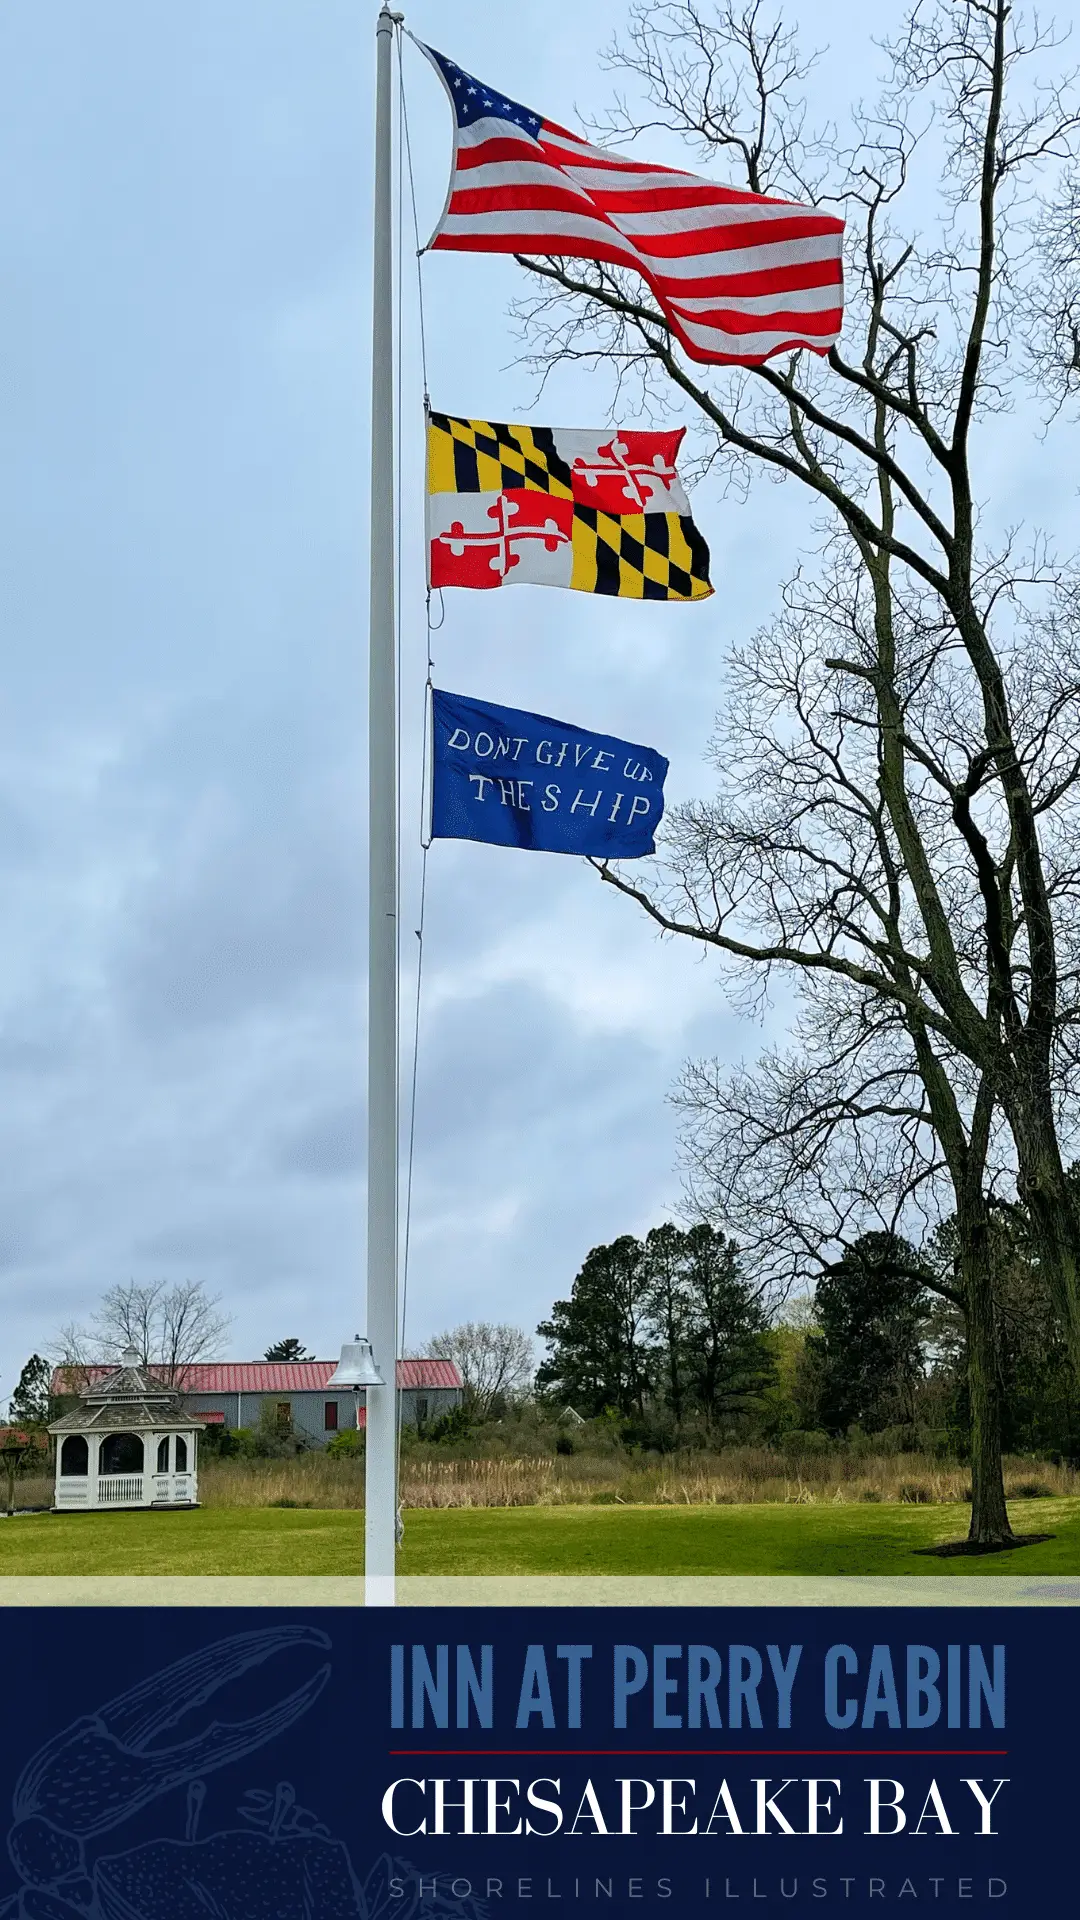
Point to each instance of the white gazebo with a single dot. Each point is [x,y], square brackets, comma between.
[129,1443]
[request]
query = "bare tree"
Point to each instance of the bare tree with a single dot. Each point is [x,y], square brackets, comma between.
[831,1140]
[495,1361]
[1053,314]
[899,801]
[170,1327]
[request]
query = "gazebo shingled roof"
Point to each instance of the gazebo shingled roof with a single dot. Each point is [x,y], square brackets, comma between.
[125,1400]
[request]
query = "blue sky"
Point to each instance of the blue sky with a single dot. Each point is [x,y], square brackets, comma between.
[184,247]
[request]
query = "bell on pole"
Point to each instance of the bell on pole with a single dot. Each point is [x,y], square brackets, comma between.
[357,1366]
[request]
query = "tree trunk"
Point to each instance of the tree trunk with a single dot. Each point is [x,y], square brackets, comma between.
[676,1387]
[1055,1238]
[989,1516]
[675,1392]
[1045,1192]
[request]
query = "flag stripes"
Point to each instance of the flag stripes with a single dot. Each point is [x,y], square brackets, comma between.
[738,276]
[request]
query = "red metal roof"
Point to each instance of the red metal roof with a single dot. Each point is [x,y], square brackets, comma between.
[280,1376]
[428,1373]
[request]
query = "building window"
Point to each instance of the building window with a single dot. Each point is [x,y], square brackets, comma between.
[181,1454]
[421,1410]
[163,1455]
[283,1416]
[121,1453]
[75,1455]
[330,1416]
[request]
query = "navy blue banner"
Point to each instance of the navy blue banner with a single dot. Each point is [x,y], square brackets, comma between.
[524,780]
[334,1764]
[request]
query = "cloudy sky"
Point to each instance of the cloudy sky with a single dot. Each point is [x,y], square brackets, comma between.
[184,248]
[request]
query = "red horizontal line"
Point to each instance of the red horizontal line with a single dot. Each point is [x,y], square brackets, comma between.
[697,1753]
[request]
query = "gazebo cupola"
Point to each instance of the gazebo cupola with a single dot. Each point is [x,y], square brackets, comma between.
[129,1443]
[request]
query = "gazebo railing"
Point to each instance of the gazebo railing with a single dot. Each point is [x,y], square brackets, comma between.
[72,1492]
[119,1487]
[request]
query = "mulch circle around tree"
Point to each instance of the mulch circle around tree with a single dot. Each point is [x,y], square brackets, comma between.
[965,1549]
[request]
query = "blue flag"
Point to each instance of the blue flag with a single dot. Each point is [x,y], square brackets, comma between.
[525,780]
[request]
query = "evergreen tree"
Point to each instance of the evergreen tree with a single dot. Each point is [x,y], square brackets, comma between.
[668,1303]
[672,1324]
[30,1400]
[290,1349]
[728,1361]
[601,1353]
[872,1310]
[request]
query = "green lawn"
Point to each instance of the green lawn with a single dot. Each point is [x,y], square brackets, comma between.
[533,1540]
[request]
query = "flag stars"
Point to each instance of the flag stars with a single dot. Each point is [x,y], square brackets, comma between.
[473,101]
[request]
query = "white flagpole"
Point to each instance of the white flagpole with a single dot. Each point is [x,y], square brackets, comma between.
[380,1533]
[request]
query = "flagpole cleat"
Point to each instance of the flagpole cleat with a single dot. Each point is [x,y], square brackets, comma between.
[107,1765]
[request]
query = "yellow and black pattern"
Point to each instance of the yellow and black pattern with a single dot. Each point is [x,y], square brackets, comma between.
[641,556]
[654,556]
[488,456]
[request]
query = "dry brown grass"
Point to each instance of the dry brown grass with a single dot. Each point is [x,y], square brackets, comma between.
[744,1475]
[738,1476]
[31,1490]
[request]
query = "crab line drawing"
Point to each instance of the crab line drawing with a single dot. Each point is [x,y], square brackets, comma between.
[280,1862]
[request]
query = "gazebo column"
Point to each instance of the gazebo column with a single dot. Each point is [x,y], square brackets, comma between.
[73,1491]
[184,1483]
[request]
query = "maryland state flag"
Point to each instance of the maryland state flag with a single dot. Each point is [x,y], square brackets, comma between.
[600,510]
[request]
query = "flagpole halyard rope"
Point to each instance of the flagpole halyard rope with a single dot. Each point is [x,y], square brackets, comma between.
[399,410]
[403,109]
[405,149]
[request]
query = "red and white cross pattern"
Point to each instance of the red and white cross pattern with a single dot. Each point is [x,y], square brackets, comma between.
[495,539]
[624,472]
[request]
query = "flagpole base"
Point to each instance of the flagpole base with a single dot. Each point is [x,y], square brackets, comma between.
[380,1590]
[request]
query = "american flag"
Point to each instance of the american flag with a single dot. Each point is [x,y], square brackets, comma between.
[738,276]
